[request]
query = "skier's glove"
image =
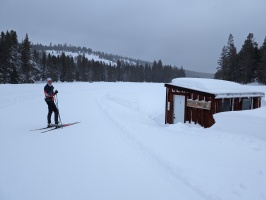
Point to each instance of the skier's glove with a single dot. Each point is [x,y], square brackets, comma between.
[56,92]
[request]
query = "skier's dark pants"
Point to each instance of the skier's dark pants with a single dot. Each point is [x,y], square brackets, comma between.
[52,108]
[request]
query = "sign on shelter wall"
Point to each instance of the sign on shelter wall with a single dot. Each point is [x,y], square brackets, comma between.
[199,104]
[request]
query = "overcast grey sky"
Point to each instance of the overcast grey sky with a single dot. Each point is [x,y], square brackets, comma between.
[188,33]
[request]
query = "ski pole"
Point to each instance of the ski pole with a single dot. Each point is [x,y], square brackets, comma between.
[58,110]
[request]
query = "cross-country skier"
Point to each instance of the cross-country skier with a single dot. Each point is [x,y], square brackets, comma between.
[49,98]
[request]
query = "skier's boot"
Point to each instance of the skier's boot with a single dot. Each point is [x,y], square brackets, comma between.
[50,125]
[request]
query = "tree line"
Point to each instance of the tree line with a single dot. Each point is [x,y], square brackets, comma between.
[26,63]
[246,66]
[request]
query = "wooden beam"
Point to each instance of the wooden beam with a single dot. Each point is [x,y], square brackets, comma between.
[182,89]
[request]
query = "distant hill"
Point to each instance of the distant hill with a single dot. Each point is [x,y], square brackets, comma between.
[193,74]
[88,52]
[105,57]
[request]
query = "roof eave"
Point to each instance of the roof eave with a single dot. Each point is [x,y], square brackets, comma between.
[239,95]
[218,95]
[190,90]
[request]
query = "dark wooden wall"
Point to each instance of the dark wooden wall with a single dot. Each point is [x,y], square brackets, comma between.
[197,115]
[256,102]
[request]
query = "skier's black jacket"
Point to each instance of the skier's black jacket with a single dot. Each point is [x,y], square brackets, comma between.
[49,98]
[49,92]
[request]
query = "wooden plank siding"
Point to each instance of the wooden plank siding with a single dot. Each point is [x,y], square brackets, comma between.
[256,102]
[194,110]
[237,104]
[209,120]
[188,110]
[204,117]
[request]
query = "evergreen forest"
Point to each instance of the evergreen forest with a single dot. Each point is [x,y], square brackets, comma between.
[27,63]
[245,66]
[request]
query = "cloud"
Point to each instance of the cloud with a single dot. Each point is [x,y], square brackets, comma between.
[180,32]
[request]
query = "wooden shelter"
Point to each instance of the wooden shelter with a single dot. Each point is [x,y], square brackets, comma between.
[196,100]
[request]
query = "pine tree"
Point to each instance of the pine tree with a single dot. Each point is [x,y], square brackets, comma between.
[7,58]
[182,72]
[262,64]
[14,61]
[228,62]
[154,72]
[141,73]
[79,68]
[247,60]
[36,64]
[52,69]
[147,73]
[232,60]
[90,72]
[83,68]
[70,69]
[26,57]
[168,73]
[2,39]
[257,62]
[159,72]
[118,70]
[14,76]
[63,67]
[43,63]
[221,69]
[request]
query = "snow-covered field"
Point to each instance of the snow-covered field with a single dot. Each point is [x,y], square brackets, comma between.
[122,150]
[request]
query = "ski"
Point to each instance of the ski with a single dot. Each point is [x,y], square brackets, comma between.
[61,126]
[39,129]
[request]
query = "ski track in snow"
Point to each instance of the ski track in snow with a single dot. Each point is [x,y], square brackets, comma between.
[123,150]
[170,171]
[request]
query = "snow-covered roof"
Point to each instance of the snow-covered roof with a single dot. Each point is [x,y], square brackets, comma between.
[220,88]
